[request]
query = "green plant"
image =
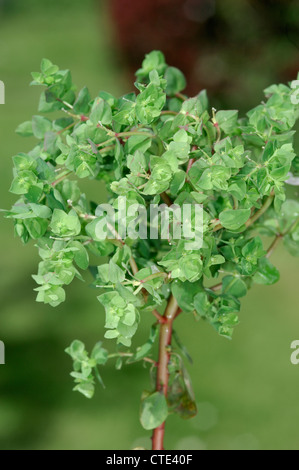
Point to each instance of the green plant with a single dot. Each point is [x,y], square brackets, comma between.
[156,146]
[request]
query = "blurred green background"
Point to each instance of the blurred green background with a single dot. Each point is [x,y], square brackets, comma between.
[247,389]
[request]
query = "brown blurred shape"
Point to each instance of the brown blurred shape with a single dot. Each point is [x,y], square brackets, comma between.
[222,45]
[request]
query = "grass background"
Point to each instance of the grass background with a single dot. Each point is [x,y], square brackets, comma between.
[247,389]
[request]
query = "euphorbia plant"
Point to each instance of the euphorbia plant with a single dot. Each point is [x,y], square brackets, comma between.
[150,148]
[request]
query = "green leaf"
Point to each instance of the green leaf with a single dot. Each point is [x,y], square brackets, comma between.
[48,68]
[177,182]
[227,120]
[36,227]
[191,267]
[101,112]
[40,126]
[201,304]
[137,163]
[87,389]
[65,225]
[234,219]
[254,250]
[40,211]
[81,257]
[116,274]
[176,81]
[154,411]
[184,293]
[99,354]
[155,60]
[235,286]
[25,129]
[143,351]
[82,103]
[267,274]
[149,104]
[76,350]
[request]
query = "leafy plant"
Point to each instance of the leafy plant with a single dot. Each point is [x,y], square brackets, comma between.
[156,146]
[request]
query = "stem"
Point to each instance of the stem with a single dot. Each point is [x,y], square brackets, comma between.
[190,163]
[145,359]
[130,133]
[171,113]
[134,266]
[61,178]
[261,212]
[66,128]
[109,141]
[106,149]
[216,288]
[181,96]
[162,368]
[274,245]
[166,199]
[154,276]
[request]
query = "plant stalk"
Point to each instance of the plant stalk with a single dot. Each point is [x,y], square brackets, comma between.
[162,369]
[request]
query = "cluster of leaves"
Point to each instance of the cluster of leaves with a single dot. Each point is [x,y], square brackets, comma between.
[154,146]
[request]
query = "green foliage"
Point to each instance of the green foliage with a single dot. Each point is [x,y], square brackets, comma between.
[154,410]
[152,146]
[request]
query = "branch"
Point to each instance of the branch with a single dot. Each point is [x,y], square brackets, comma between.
[274,245]
[166,199]
[260,212]
[171,312]
[61,178]
[217,287]
[181,96]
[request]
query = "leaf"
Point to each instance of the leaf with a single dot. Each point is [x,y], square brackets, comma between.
[25,129]
[191,267]
[48,68]
[81,257]
[182,347]
[201,304]
[82,103]
[232,285]
[36,227]
[87,389]
[99,354]
[101,112]
[76,350]
[116,274]
[155,60]
[184,293]
[227,120]
[65,225]
[40,126]
[234,219]
[177,182]
[196,105]
[267,274]
[41,211]
[144,350]
[137,142]
[154,411]
[176,81]
[149,104]
[137,163]
[181,398]
[253,250]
